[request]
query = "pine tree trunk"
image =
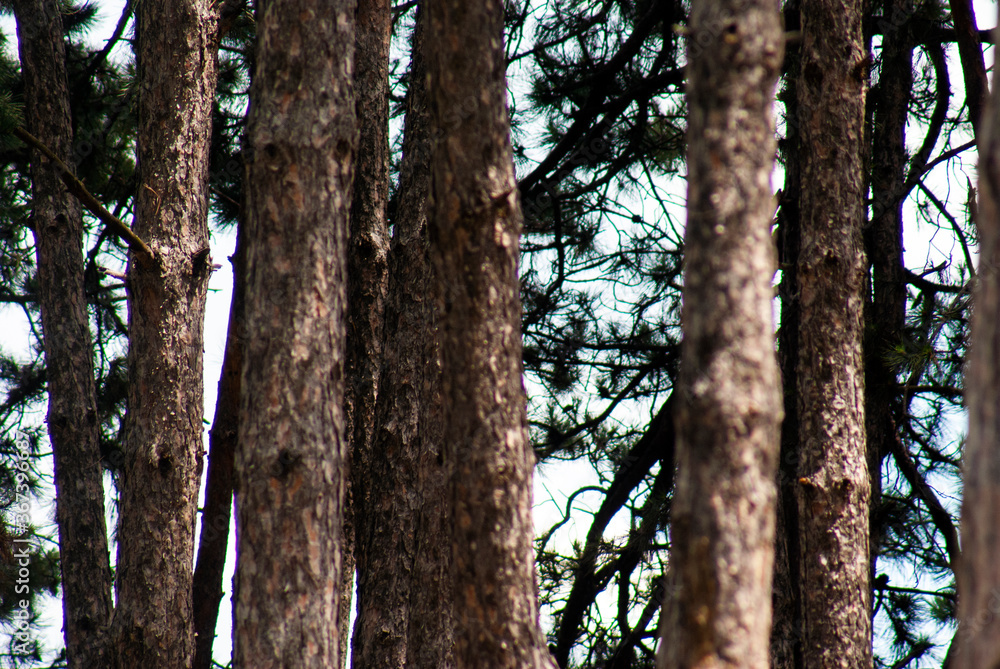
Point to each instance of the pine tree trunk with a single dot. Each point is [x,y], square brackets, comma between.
[970,53]
[475,227]
[833,481]
[216,517]
[403,564]
[417,339]
[786,626]
[977,640]
[885,308]
[290,464]
[72,417]
[366,272]
[166,298]
[729,400]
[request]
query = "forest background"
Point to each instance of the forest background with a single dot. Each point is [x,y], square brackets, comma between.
[600,285]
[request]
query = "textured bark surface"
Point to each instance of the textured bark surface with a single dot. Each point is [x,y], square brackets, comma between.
[216,517]
[72,417]
[728,393]
[290,462]
[786,622]
[403,564]
[977,640]
[166,299]
[833,483]
[474,227]
[366,272]
[885,308]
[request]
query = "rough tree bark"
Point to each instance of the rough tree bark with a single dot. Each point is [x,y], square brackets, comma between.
[290,463]
[977,641]
[728,392]
[833,481]
[403,565]
[166,299]
[366,272]
[412,315]
[57,225]
[475,226]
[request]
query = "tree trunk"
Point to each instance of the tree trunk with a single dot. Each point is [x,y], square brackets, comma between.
[977,641]
[216,516]
[403,565]
[786,626]
[72,417]
[729,399]
[833,481]
[970,52]
[290,464]
[366,272]
[413,316]
[885,308]
[166,298]
[474,229]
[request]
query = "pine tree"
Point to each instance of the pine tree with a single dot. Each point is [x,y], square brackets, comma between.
[598,131]
[977,644]
[57,224]
[833,482]
[728,406]
[474,227]
[290,463]
[403,619]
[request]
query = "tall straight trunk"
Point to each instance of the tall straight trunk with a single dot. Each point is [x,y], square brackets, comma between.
[290,463]
[885,308]
[786,626]
[166,299]
[216,517]
[366,272]
[729,409]
[475,227]
[833,481]
[72,417]
[977,641]
[403,565]
[414,318]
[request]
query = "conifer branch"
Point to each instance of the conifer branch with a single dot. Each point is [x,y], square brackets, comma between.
[939,515]
[76,187]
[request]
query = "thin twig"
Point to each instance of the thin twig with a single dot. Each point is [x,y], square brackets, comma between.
[939,515]
[954,225]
